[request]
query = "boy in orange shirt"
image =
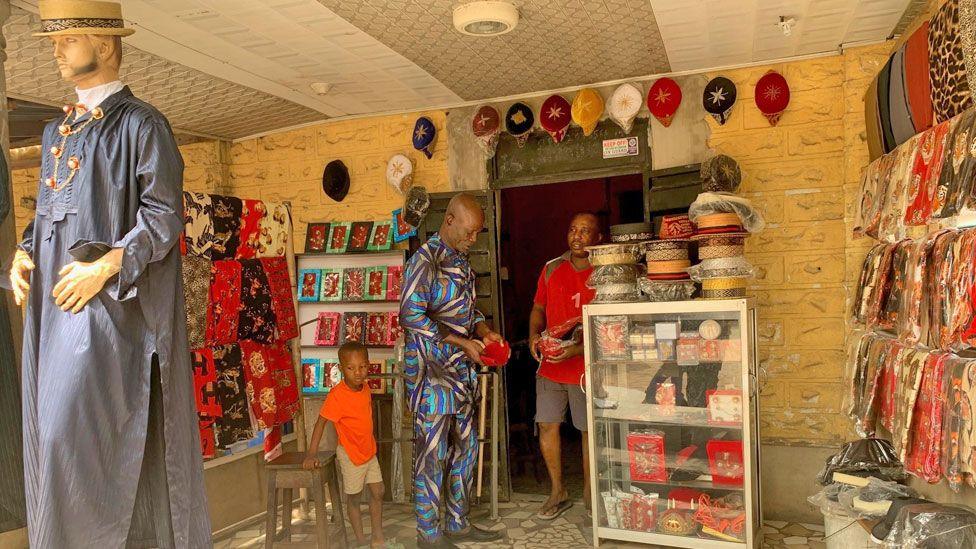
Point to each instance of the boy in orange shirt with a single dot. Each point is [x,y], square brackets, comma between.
[349,407]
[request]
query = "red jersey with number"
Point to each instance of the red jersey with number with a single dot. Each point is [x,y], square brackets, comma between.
[562,291]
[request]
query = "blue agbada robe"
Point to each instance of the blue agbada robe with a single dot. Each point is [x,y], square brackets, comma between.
[87,376]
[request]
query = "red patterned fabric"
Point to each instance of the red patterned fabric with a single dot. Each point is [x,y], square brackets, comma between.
[286,383]
[205,384]
[887,388]
[282,301]
[261,391]
[225,303]
[925,452]
[208,441]
[251,215]
[926,170]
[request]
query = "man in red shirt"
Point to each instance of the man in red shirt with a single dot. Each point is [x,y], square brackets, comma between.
[559,300]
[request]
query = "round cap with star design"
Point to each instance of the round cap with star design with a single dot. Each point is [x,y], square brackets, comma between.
[399,173]
[663,100]
[424,134]
[772,96]
[555,117]
[587,109]
[486,125]
[519,121]
[719,98]
[624,105]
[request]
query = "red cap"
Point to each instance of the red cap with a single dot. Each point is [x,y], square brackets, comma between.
[772,96]
[555,116]
[663,100]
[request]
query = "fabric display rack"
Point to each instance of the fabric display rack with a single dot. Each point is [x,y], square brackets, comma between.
[241,321]
[910,357]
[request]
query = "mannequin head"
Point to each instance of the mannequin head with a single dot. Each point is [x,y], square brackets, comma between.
[88,60]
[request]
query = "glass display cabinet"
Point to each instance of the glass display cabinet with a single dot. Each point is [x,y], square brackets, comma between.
[672,411]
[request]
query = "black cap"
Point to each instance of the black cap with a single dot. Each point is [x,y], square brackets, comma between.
[335,180]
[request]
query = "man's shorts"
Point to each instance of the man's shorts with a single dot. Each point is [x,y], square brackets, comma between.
[355,477]
[551,399]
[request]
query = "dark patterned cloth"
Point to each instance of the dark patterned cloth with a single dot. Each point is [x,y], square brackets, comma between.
[227,214]
[205,384]
[947,66]
[234,425]
[282,298]
[957,422]
[224,308]
[257,320]
[286,383]
[258,371]
[196,288]
[958,168]
[198,229]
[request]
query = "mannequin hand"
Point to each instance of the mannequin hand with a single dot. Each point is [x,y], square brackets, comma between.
[81,281]
[20,276]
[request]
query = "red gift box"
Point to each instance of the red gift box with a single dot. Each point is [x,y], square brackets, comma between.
[327,329]
[377,326]
[394,281]
[376,386]
[354,284]
[393,331]
[710,350]
[638,512]
[647,457]
[725,462]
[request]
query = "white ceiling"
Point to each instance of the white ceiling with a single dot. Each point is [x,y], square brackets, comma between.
[189,57]
[714,33]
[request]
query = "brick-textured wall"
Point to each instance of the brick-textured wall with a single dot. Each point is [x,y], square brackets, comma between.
[288,167]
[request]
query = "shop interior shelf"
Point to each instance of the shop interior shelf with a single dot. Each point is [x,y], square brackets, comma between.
[697,484]
[682,416]
[337,346]
[655,362]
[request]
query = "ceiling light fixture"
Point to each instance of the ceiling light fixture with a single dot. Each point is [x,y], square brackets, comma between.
[320,88]
[786,24]
[485,18]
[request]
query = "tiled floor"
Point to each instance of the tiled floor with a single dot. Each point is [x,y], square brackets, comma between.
[523,530]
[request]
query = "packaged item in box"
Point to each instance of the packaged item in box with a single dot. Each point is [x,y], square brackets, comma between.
[666,349]
[639,512]
[665,397]
[331,285]
[555,339]
[724,407]
[642,342]
[687,349]
[675,521]
[646,451]
[310,280]
[710,350]
[725,462]
[354,284]
[731,350]
[666,330]
[375,283]
[377,329]
[327,329]
[393,331]
[377,386]
[611,337]
[310,372]
[353,328]
[394,281]
[611,506]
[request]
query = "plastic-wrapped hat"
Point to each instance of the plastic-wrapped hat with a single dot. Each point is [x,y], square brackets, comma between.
[719,98]
[399,173]
[415,205]
[720,173]
[335,180]
[424,134]
[772,96]
[625,103]
[485,126]
[663,100]
[587,109]
[555,116]
[519,121]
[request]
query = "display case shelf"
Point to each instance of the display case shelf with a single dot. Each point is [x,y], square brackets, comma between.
[638,444]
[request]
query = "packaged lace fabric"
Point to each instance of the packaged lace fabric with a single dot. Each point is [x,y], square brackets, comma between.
[724,267]
[857,345]
[896,287]
[866,404]
[958,167]
[963,324]
[714,203]
[939,266]
[909,378]
[957,422]
[604,275]
[880,286]
[612,337]
[868,214]
[933,526]
[892,367]
[866,282]
[909,317]
[892,226]
[666,290]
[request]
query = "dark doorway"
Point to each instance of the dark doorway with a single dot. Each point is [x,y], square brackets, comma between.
[533,221]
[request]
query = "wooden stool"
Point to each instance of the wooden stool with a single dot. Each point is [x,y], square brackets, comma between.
[286,473]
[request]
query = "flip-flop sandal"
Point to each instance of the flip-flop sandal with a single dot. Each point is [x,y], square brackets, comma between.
[555,512]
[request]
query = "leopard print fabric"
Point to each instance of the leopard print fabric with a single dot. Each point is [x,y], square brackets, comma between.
[947,66]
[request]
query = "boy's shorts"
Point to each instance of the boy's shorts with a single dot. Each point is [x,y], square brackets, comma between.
[355,477]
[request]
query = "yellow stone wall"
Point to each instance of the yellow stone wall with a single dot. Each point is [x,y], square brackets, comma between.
[288,166]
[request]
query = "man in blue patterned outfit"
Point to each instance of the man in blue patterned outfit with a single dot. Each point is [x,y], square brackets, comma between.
[444,335]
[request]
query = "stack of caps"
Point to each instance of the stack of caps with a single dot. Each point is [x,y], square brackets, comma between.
[724,221]
[615,268]
[668,261]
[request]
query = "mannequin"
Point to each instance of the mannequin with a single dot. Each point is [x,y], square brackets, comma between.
[111,449]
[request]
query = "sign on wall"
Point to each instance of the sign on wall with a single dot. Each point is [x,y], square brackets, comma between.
[624,146]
